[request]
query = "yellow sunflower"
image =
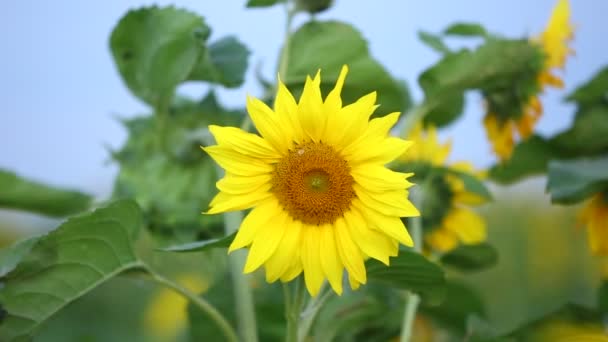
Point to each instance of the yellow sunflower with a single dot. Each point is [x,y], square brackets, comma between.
[595,217]
[554,43]
[322,198]
[446,216]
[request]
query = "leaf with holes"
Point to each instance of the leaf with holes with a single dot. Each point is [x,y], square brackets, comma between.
[22,194]
[60,267]
[410,271]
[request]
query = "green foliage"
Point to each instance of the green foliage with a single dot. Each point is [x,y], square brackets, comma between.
[410,271]
[313,6]
[223,62]
[575,180]
[173,184]
[263,3]
[22,194]
[592,92]
[466,29]
[469,258]
[493,69]
[204,245]
[603,298]
[530,157]
[461,302]
[588,134]
[65,264]
[446,112]
[155,49]
[433,41]
[330,45]
[11,256]
[472,184]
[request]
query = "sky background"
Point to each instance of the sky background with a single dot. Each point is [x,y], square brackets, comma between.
[60,90]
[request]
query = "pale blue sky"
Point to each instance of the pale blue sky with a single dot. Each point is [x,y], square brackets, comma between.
[59,87]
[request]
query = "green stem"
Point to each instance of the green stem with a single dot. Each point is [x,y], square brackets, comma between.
[200,302]
[413,299]
[293,308]
[310,313]
[284,59]
[242,292]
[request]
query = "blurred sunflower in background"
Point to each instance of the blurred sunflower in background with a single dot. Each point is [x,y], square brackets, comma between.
[514,109]
[594,217]
[447,217]
[322,198]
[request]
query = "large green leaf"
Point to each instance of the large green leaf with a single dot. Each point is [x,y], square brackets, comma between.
[574,180]
[603,298]
[22,194]
[155,49]
[410,271]
[11,256]
[330,45]
[471,257]
[200,246]
[224,62]
[67,263]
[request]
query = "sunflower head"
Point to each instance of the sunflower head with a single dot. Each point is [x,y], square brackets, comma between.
[513,107]
[594,217]
[445,217]
[321,198]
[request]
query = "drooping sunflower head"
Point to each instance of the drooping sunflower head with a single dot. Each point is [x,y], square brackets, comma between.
[445,217]
[322,199]
[513,108]
[594,217]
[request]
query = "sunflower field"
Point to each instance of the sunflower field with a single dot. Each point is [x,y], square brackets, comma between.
[295,187]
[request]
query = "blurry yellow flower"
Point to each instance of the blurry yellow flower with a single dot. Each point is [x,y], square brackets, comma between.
[502,131]
[595,217]
[322,199]
[166,315]
[448,219]
[564,331]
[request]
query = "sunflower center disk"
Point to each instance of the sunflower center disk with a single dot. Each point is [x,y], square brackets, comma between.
[313,184]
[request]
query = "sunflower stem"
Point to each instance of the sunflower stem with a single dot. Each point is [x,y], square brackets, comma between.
[293,307]
[200,302]
[411,306]
[242,291]
[284,58]
[307,317]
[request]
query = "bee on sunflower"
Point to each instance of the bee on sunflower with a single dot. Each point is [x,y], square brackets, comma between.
[514,108]
[322,199]
[447,217]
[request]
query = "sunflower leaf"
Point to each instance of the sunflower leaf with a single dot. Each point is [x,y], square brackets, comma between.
[155,49]
[446,112]
[11,256]
[410,271]
[328,46]
[466,29]
[468,258]
[65,264]
[593,91]
[224,62]
[262,3]
[433,41]
[472,184]
[200,246]
[22,194]
[574,180]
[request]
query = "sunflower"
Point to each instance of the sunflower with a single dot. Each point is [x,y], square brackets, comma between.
[502,129]
[321,198]
[446,217]
[595,217]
